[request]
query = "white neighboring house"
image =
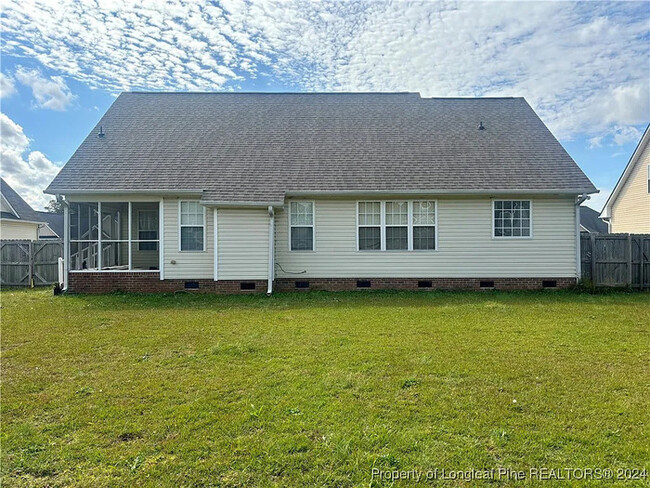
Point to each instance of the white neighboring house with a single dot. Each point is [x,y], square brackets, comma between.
[628,208]
[260,192]
[18,220]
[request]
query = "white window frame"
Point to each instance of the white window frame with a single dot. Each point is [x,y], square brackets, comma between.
[146,241]
[205,225]
[313,225]
[435,225]
[410,226]
[380,225]
[530,203]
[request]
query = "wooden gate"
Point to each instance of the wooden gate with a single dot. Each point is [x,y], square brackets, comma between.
[29,263]
[616,259]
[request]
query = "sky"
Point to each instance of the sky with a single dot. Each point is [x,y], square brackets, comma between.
[583,66]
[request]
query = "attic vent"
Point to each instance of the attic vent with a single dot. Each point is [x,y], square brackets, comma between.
[101,132]
[480,126]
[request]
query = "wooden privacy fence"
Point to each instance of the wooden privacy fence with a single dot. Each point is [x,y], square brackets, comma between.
[27,263]
[616,259]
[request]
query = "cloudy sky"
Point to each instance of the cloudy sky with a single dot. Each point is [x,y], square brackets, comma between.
[584,67]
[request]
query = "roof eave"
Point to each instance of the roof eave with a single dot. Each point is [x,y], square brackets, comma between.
[430,191]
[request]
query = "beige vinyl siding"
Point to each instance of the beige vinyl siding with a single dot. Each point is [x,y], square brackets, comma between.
[188,264]
[18,230]
[242,244]
[631,209]
[465,246]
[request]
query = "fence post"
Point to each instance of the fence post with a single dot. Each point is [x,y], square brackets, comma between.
[642,283]
[592,239]
[629,260]
[31,264]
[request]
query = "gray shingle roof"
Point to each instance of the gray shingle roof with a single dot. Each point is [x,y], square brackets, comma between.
[590,220]
[22,208]
[257,147]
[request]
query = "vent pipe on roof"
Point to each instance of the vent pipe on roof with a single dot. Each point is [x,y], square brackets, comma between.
[101,132]
[480,126]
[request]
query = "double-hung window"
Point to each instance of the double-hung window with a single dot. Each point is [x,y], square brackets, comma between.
[424,225]
[369,226]
[147,230]
[301,223]
[512,218]
[397,225]
[397,222]
[192,226]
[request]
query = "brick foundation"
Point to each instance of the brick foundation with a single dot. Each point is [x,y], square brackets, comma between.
[342,284]
[137,282]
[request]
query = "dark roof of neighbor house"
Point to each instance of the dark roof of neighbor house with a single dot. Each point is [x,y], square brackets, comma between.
[590,220]
[256,147]
[54,222]
[21,207]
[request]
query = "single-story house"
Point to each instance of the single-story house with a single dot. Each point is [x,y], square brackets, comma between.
[628,207]
[261,192]
[19,221]
[590,221]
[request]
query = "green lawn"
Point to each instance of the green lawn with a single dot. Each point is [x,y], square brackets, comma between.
[317,389]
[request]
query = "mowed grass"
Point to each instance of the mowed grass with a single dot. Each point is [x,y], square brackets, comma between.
[317,389]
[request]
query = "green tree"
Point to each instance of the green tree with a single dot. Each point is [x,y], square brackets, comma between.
[54,206]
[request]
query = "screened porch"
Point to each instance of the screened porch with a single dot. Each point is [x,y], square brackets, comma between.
[128,234]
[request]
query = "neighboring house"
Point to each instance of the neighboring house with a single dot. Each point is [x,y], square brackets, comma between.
[54,227]
[230,192]
[590,221]
[18,220]
[628,208]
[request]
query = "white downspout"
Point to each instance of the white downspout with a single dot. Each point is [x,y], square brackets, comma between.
[579,200]
[66,242]
[271,271]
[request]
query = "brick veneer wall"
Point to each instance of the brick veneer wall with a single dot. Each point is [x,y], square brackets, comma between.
[89,282]
[135,282]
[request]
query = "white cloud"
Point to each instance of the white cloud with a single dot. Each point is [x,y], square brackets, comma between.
[51,93]
[28,172]
[7,87]
[580,65]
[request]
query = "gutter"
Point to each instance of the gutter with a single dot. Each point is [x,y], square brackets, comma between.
[112,191]
[432,191]
[271,270]
[579,201]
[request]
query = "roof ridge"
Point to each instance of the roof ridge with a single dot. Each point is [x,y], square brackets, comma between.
[264,93]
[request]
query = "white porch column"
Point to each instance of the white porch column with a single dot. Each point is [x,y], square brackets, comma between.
[66,243]
[161,239]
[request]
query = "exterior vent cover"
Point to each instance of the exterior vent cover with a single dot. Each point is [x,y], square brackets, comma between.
[363,283]
[191,285]
[486,284]
[247,285]
[549,284]
[425,284]
[302,284]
